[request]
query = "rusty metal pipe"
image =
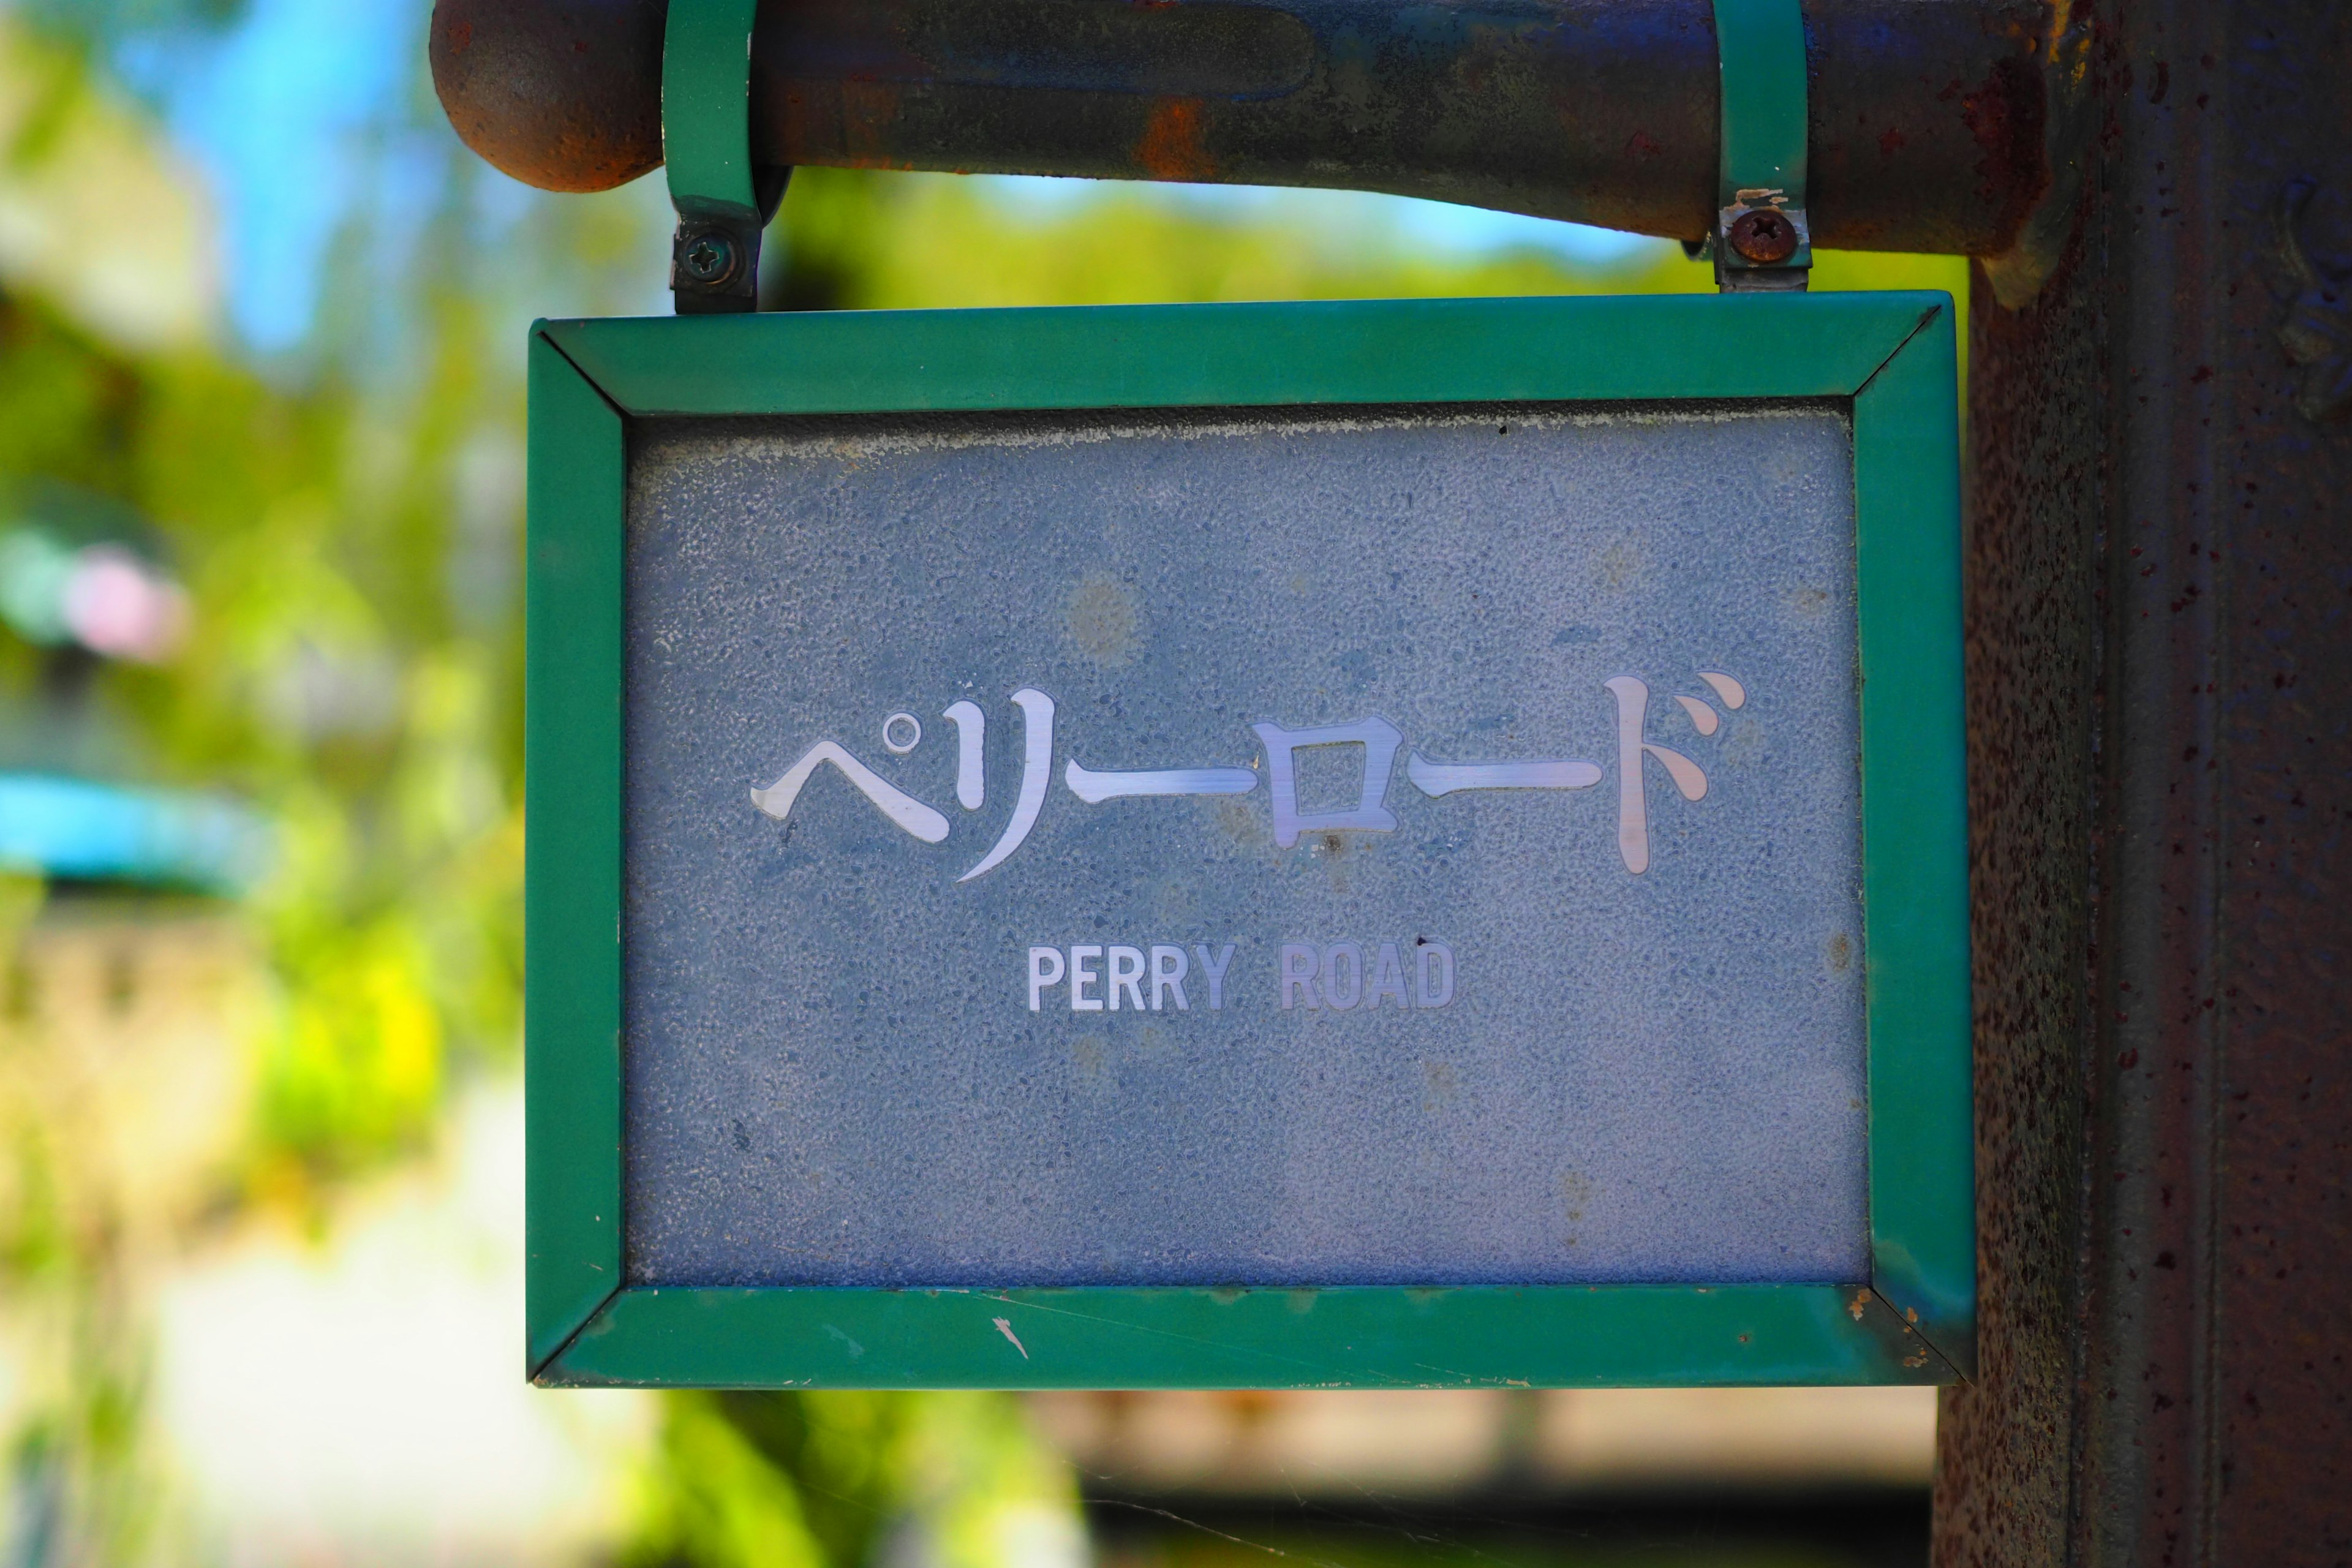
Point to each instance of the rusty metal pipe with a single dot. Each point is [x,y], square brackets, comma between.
[1928,116]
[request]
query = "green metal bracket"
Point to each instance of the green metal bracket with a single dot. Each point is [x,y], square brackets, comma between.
[723,198]
[1762,238]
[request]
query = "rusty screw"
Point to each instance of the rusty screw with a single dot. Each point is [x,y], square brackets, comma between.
[1764,237]
[709,259]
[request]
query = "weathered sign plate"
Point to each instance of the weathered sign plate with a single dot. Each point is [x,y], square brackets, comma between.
[1387,843]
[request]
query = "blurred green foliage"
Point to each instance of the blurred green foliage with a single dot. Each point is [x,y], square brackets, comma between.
[812,1479]
[329,681]
[861,240]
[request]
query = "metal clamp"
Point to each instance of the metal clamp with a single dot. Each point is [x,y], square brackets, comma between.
[724,199]
[1761,239]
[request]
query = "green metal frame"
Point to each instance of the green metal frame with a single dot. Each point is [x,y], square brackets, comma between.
[1889,357]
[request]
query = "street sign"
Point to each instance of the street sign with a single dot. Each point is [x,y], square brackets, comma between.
[1412,843]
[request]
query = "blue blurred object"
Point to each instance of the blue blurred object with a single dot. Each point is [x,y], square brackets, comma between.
[95,832]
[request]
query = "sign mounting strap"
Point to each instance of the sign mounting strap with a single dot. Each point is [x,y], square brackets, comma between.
[1761,239]
[724,199]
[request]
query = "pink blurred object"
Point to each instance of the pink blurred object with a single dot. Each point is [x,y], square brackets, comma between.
[115,605]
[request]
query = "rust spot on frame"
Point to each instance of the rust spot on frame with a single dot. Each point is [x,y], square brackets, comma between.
[869,113]
[1171,147]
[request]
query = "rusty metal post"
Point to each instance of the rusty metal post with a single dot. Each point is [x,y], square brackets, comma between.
[2162,618]
[1926,121]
